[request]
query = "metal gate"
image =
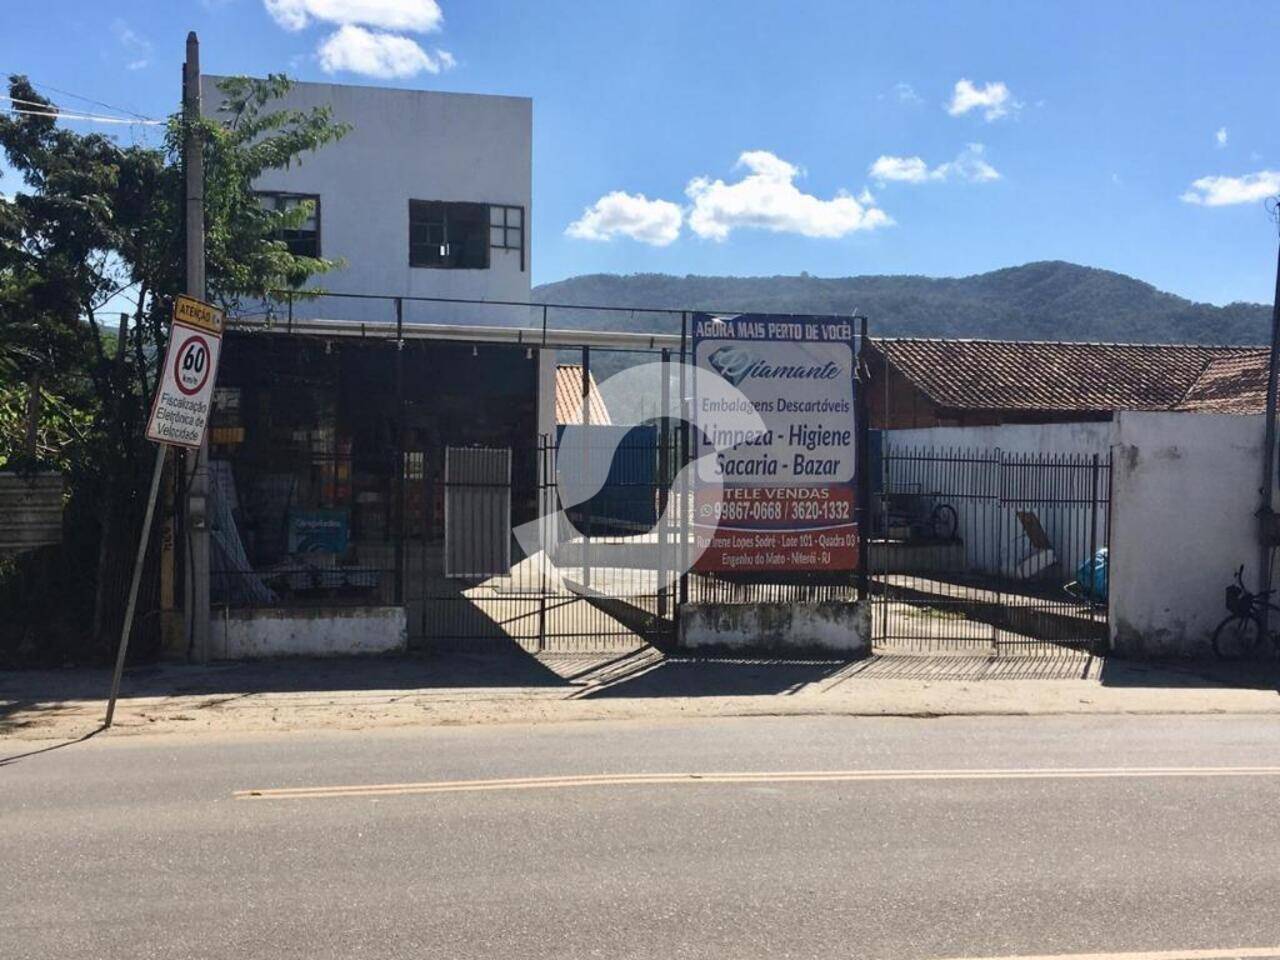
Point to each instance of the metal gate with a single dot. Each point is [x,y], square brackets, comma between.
[519,570]
[990,552]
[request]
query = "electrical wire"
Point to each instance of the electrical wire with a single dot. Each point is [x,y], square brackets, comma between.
[76,96]
[88,117]
[42,104]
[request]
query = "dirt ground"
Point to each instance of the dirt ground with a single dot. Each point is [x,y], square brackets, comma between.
[343,693]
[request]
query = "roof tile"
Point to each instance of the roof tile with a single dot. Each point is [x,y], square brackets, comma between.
[569,397]
[1058,376]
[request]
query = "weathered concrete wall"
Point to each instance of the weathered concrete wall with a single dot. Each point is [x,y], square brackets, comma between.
[30,511]
[257,632]
[1184,494]
[832,625]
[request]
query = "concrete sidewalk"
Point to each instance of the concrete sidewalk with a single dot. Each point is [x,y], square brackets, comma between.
[515,688]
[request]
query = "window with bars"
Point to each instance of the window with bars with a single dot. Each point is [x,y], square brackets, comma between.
[304,239]
[448,235]
[506,229]
[452,235]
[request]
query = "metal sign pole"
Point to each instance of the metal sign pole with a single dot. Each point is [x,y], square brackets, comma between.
[123,649]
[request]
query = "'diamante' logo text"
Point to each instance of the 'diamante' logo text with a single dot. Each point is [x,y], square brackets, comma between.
[737,364]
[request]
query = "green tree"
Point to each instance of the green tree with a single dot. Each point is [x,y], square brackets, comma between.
[95,220]
[92,223]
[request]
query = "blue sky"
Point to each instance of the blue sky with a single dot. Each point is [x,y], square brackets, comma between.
[772,138]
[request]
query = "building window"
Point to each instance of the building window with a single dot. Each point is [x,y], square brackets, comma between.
[304,239]
[506,229]
[451,236]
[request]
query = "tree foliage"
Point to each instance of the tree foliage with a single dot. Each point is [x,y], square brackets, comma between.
[93,226]
[95,222]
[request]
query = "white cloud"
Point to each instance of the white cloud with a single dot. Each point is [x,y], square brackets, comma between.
[1225,191]
[993,99]
[136,46]
[768,199]
[384,55]
[417,16]
[906,93]
[969,165]
[1220,138]
[905,169]
[619,214]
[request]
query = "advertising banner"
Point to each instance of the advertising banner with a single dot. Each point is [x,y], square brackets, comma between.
[779,498]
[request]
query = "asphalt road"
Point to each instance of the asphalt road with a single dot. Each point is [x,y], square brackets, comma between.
[177,847]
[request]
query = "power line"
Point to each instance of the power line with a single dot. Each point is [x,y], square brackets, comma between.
[42,104]
[76,96]
[88,117]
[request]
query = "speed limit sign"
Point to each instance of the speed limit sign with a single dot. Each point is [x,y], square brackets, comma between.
[180,410]
[191,365]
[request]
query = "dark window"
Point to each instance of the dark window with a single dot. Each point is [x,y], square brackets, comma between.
[304,239]
[451,236]
[506,229]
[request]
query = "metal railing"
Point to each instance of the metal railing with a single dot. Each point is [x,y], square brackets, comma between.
[984,550]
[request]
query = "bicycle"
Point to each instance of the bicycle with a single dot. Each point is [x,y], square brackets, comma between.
[1240,634]
[943,523]
[925,517]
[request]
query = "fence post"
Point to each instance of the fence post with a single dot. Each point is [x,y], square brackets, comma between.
[1093,523]
[664,478]
[862,468]
[685,459]
[400,497]
[1111,487]
[999,464]
[586,464]
[547,519]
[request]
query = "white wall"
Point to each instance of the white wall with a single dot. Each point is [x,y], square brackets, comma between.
[410,144]
[255,633]
[992,536]
[834,625]
[1185,492]
[1012,437]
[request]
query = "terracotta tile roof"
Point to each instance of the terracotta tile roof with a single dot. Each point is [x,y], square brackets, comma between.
[569,397]
[1235,384]
[1053,376]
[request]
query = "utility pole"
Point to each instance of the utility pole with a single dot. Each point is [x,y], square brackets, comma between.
[196,593]
[198,479]
[1266,514]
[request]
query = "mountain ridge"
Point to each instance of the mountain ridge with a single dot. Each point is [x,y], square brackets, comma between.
[1041,300]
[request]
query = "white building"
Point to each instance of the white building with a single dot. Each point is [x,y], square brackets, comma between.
[428,195]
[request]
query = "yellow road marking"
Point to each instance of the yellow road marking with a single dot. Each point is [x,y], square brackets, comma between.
[806,776]
[1230,953]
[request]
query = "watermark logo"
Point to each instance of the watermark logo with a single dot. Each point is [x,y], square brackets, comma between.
[642,564]
[732,363]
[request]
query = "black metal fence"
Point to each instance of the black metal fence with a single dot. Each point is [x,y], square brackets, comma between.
[981,550]
[467,528]
[596,575]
